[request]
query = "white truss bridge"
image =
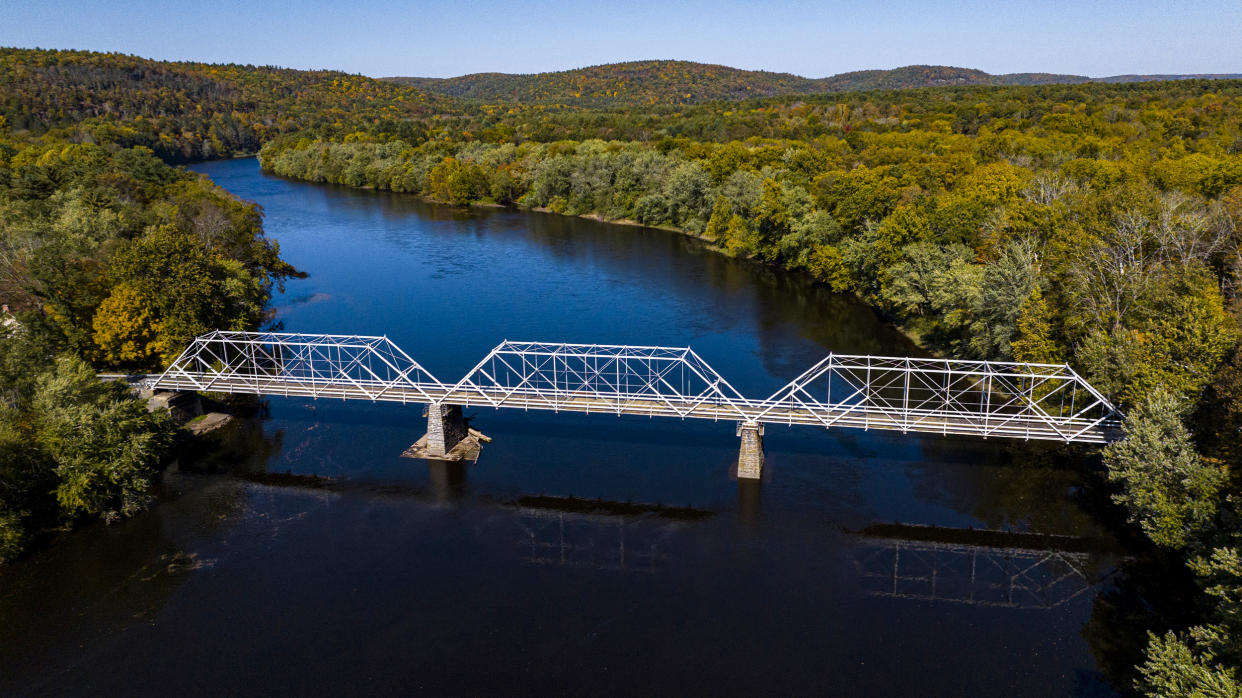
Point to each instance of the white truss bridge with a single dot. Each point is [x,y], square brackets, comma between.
[937,396]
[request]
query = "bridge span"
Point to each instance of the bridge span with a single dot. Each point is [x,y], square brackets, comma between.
[937,396]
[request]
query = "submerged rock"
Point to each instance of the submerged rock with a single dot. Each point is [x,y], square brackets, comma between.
[212,421]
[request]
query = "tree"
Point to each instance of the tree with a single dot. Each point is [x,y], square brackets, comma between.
[1167,488]
[1033,342]
[106,446]
[1008,283]
[69,288]
[739,239]
[718,223]
[25,480]
[1172,670]
[687,191]
[125,331]
[12,535]
[937,284]
[179,285]
[455,182]
[1174,339]
[772,219]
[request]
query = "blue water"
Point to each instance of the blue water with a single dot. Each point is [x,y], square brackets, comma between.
[327,563]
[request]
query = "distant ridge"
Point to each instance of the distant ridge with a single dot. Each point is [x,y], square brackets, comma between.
[687,82]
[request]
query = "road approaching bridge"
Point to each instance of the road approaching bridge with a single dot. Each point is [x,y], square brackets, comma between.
[939,396]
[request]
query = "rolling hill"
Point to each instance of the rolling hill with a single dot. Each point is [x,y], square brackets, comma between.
[190,111]
[686,82]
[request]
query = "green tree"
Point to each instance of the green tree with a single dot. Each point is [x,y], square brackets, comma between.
[173,292]
[772,219]
[1167,488]
[1034,342]
[718,223]
[1173,670]
[1174,339]
[1008,284]
[25,480]
[739,239]
[106,446]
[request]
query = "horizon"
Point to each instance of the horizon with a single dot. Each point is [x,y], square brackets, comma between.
[623,62]
[803,39]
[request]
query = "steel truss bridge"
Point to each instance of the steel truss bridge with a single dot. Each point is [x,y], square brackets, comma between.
[938,396]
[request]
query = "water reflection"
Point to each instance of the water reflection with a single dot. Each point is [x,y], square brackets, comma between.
[560,534]
[980,568]
[448,479]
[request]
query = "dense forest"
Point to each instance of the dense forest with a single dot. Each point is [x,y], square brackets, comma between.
[1094,224]
[109,257]
[190,111]
[640,83]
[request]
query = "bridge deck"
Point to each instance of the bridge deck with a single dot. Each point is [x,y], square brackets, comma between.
[1018,425]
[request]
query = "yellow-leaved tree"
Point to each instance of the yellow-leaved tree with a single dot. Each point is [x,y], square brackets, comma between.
[125,330]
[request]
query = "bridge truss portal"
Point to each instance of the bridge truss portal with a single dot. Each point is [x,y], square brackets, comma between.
[981,398]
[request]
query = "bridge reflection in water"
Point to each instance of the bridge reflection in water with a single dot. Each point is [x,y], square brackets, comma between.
[901,561]
[979,567]
[925,563]
[569,532]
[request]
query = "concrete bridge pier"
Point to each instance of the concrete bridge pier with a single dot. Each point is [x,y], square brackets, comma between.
[750,458]
[445,428]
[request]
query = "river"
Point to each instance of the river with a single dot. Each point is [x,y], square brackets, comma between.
[582,554]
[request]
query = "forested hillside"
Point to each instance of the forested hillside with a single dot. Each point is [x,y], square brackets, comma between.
[191,111]
[646,83]
[635,83]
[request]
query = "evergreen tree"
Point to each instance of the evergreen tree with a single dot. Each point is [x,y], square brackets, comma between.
[1167,488]
[718,224]
[1034,342]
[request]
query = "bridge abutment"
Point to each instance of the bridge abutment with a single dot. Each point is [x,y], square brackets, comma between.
[445,428]
[750,457]
[183,405]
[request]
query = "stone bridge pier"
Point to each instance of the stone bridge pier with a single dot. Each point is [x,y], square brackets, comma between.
[448,437]
[445,428]
[750,458]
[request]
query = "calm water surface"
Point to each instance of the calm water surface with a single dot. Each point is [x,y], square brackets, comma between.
[581,554]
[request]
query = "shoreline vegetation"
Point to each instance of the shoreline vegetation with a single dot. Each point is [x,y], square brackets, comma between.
[1094,224]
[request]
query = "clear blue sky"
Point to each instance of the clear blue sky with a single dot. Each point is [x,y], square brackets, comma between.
[814,39]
